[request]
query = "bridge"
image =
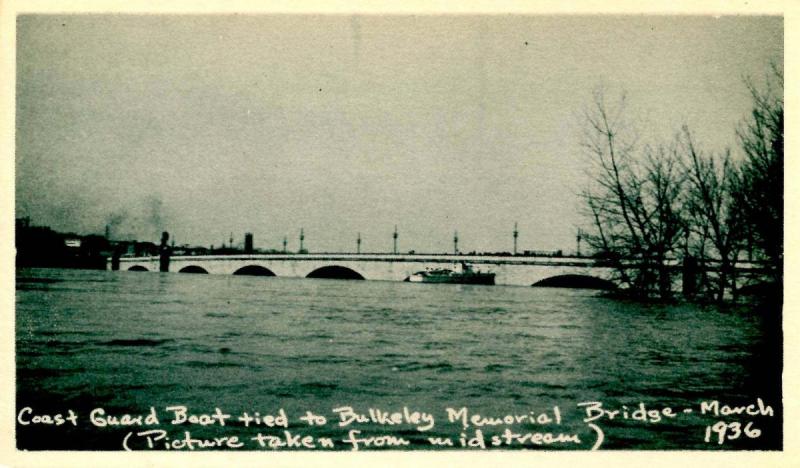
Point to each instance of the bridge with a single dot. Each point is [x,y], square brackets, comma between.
[509,270]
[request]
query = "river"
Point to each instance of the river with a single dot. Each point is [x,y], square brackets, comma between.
[129,341]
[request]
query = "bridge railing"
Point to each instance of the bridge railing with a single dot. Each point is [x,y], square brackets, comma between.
[367,257]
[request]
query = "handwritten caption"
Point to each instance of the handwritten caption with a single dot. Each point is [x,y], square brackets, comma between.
[172,427]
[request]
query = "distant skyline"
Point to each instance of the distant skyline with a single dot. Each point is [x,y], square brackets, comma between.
[210,125]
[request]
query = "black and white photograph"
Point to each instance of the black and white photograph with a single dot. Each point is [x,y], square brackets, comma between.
[308,232]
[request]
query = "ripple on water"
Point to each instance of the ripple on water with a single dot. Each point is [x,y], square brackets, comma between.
[199,364]
[135,342]
[496,367]
[219,315]
[323,389]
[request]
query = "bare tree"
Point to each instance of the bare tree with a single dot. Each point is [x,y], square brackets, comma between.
[716,223]
[634,202]
[760,182]
[614,237]
[663,217]
[653,204]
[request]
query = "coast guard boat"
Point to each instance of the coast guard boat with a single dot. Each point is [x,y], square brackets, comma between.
[462,273]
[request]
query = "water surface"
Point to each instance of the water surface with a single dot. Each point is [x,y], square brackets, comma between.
[126,341]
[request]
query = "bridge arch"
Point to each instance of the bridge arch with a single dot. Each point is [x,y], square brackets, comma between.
[254,270]
[335,272]
[193,269]
[575,282]
[137,268]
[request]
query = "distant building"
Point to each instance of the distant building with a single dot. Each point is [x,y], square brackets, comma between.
[40,246]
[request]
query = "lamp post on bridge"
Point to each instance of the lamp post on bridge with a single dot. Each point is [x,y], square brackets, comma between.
[455,242]
[516,234]
[284,244]
[358,243]
[394,236]
[302,238]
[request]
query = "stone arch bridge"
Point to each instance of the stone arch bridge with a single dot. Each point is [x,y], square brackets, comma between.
[509,270]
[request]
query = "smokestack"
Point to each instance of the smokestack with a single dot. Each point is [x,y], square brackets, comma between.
[248,242]
[164,253]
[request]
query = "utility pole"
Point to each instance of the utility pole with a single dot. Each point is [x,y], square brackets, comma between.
[516,234]
[358,243]
[455,242]
[302,237]
[394,236]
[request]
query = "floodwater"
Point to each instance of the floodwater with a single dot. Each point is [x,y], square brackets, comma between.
[128,341]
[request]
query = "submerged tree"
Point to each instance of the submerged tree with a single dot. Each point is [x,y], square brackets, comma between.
[760,179]
[651,205]
[715,221]
[634,202]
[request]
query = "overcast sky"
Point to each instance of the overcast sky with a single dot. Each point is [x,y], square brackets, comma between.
[207,125]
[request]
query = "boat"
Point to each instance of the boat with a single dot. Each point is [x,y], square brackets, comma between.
[462,273]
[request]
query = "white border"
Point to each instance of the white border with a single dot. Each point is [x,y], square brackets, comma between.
[8,455]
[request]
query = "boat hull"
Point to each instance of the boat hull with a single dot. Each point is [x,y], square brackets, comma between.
[477,278]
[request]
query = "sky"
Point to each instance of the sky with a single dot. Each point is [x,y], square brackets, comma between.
[207,126]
